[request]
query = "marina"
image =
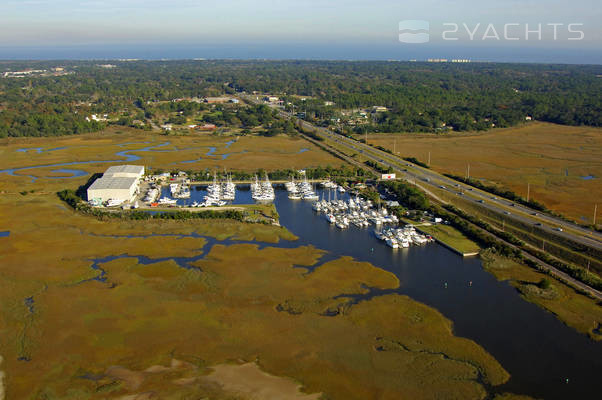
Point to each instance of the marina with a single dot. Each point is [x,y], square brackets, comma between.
[537,349]
[262,191]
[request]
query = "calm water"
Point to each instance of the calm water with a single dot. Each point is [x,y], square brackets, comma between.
[198,193]
[531,344]
[538,350]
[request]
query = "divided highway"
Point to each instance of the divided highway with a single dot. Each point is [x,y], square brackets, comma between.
[427,177]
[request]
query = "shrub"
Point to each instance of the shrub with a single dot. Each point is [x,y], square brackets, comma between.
[544,284]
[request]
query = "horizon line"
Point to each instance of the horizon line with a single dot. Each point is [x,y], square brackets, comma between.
[264,59]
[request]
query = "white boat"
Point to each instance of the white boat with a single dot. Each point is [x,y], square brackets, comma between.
[167,200]
[392,243]
[341,225]
[310,196]
[294,196]
[114,202]
[262,191]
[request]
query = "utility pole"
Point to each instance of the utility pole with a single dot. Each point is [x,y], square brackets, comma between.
[429,162]
[395,146]
[528,190]
[468,172]
[366,140]
[595,210]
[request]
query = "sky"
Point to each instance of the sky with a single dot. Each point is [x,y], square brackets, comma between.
[478,29]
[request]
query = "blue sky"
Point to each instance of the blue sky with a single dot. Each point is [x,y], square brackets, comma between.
[281,29]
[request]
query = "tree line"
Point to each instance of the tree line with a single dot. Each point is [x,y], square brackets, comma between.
[420,97]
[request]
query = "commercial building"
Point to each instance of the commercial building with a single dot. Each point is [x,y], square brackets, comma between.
[119,184]
[124,171]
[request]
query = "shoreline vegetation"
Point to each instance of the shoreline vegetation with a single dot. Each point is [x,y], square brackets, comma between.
[365,346]
[484,234]
[280,289]
[249,213]
[572,306]
[576,310]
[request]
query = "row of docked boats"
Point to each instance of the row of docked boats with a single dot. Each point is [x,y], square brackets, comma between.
[179,191]
[214,196]
[356,211]
[402,237]
[332,185]
[302,190]
[228,192]
[262,191]
[362,213]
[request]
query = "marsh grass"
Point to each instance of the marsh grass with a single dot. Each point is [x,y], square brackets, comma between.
[228,309]
[87,339]
[574,309]
[552,158]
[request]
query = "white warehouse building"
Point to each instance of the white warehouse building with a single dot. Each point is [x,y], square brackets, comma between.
[119,184]
[124,171]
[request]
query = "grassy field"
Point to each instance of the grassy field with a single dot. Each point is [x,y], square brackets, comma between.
[451,237]
[576,310]
[231,152]
[182,313]
[555,160]
[155,326]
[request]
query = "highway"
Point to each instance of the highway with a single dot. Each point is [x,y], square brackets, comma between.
[427,177]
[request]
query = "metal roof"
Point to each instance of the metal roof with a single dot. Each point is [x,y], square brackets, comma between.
[127,169]
[113,183]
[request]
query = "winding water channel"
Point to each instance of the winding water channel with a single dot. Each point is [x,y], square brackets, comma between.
[537,349]
[544,357]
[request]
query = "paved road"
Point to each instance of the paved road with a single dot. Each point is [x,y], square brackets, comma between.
[426,177]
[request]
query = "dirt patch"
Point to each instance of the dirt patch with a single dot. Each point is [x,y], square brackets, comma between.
[251,382]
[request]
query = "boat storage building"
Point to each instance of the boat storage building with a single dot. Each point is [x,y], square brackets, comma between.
[118,183]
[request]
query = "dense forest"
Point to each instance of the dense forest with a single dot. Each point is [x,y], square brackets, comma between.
[419,97]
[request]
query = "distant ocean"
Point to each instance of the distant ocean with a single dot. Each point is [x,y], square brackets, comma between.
[391,51]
